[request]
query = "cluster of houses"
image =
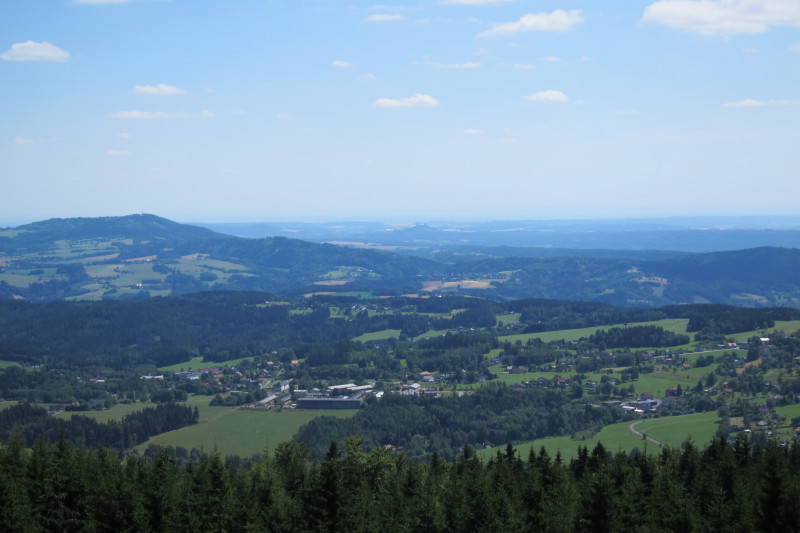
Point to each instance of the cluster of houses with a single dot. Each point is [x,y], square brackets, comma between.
[345,396]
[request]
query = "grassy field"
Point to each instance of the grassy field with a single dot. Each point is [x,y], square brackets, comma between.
[198,362]
[9,364]
[676,325]
[787,326]
[671,430]
[659,382]
[379,335]
[239,431]
[789,411]
[430,333]
[615,437]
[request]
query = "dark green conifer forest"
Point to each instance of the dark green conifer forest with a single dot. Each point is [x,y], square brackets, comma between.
[739,488]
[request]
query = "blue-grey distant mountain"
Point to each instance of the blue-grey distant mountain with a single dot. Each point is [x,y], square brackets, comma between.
[686,234]
[139,256]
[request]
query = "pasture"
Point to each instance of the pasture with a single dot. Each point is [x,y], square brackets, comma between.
[242,432]
[675,325]
[198,363]
[672,430]
[378,335]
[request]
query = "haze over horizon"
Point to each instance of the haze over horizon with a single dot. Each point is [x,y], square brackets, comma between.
[325,110]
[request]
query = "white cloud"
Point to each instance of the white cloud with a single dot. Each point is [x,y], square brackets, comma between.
[466,65]
[418,100]
[761,103]
[558,20]
[23,140]
[749,51]
[149,115]
[473,132]
[383,17]
[33,51]
[475,2]
[102,1]
[118,152]
[524,66]
[795,48]
[283,116]
[158,90]
[552,59]
[724,17]
[548,96]
[124,135]
[341,64]
[368,77]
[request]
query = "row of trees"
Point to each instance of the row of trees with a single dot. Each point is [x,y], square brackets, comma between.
[54,487]
[30,423]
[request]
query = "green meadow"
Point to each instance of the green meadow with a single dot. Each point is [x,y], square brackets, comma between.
[198,363]
[243,432]
[379,335]
[676,325]
[673,431]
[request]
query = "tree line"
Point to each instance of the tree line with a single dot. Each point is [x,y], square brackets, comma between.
[737,488]
[30,423]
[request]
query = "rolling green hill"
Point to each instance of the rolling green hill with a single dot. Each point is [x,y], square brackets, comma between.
[140,256]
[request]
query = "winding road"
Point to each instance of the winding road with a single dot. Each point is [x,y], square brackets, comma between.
[633,429]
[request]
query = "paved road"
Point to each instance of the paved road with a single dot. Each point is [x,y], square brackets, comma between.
[633,429]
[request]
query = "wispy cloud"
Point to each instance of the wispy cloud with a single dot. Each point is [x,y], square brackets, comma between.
[549,96]
[158,90]
[341,64]
[124,135]
[524,66]
[558,20]
[118,152]
[795,48]
[418,100]
[385,17]
[761,103]
[724,17]
[33,51]
[471,131]
[150,115]
[368,77]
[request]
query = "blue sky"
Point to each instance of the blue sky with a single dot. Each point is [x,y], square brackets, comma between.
[202,110]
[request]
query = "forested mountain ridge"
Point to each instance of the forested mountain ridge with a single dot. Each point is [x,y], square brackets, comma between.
[139,256]
[145,255]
